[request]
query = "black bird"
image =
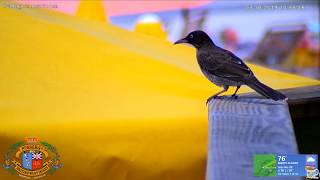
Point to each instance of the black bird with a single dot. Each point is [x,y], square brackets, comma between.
[225,69]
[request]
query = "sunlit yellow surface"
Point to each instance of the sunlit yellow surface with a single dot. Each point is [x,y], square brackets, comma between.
[93,10]
[117,105]
[153,29]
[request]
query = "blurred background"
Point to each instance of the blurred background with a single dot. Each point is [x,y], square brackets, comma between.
[282,35]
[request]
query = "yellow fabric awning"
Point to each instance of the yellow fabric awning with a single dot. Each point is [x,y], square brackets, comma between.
[93,10]
[116,104]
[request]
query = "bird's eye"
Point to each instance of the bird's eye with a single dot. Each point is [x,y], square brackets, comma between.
[191,36]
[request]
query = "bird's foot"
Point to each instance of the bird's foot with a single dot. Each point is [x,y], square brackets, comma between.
[234,96]
[209,99]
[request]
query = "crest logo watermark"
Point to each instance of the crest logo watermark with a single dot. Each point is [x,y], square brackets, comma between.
[32,158]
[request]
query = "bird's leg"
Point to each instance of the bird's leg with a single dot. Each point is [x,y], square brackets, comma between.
[225,88]
[235,93]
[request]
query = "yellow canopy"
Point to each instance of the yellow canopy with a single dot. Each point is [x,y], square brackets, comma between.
[93,10]
[116,104]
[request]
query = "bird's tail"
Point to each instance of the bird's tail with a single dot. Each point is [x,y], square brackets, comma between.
[266,91]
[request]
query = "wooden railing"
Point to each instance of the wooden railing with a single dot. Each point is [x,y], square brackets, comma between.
[240,128]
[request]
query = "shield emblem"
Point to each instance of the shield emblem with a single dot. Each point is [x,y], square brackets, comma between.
[27,160]
[36,161]
[32,159]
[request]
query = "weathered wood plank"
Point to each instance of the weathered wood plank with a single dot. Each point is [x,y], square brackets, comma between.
[240,128]
[296,95]
[304,105]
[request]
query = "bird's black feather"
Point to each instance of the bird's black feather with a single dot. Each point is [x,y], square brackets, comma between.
[224,68]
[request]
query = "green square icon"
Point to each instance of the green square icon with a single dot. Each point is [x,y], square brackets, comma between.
[264,165]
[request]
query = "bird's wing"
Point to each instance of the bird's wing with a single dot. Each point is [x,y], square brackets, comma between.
[226,65]
[225,56]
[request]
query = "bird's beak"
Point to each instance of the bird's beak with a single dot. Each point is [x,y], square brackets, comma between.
[184,40]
